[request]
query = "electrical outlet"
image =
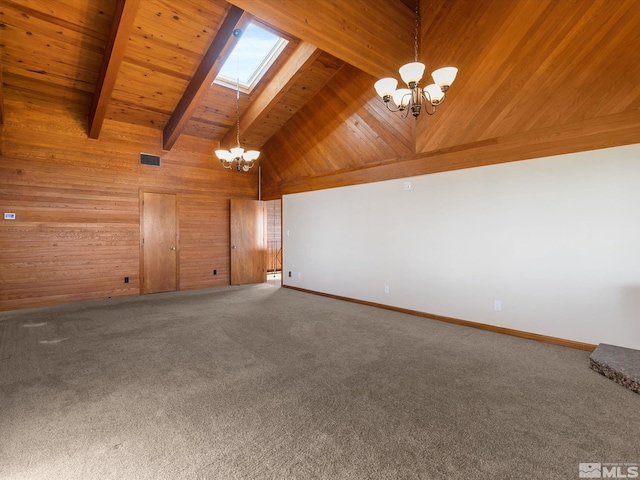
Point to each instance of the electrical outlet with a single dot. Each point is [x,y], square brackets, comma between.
[9,216]
[215,272]
[497,305]
[289,274]
[126,279]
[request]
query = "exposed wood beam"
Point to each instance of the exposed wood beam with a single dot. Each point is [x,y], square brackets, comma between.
[410,4]
[121,26]
[374,35]
[206,72]
[301,59]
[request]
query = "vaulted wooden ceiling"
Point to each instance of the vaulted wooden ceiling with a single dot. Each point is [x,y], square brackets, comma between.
[536,78]
[152,62]
[532,72]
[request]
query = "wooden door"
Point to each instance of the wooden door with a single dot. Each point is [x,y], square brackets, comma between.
[159,243]
[248,241]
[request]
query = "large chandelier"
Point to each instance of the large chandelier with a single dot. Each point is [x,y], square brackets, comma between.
[236,157]
[413,98]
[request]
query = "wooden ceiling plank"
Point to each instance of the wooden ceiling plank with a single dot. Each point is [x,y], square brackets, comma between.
[121,26]
[374,36]
[61,15]
[302,58]
[311,81]
[220,47]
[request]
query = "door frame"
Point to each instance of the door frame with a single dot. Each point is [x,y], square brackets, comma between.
[141,193]
[277,239]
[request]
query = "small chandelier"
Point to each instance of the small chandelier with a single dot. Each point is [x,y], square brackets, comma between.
[237,157]
[413,98]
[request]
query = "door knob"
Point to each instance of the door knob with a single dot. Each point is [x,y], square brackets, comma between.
[173,248]
[233,247]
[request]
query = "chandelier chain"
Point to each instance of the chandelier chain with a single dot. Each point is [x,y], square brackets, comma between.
[417,30]
[237,98]
[238,112]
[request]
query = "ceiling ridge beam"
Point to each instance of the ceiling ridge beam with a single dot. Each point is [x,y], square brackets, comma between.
[211,63]
[123,18]
[1,96]
[300,60]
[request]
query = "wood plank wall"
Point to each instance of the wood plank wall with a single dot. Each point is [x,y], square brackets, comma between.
[76,234]
[344,128]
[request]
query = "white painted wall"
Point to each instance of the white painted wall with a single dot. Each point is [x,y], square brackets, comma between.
[556,240]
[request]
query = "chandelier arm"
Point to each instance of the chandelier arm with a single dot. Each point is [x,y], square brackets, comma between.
[430,112]
[428,103]
[429,108]
[391,109]
[404,112]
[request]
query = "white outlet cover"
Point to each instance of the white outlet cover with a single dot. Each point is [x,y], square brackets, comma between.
[497,305]
[9,216]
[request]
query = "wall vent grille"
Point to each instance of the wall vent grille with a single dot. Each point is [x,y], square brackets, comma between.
[148,159]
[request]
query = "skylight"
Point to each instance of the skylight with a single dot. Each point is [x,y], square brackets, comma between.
[252,56]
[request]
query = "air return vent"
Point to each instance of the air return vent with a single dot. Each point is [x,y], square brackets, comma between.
[148,159]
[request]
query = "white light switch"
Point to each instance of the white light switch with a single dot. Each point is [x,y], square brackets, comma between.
[9,216]
[386,289]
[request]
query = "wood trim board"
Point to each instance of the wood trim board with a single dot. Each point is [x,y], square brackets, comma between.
[482,326]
